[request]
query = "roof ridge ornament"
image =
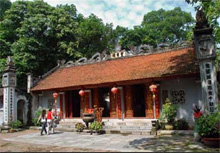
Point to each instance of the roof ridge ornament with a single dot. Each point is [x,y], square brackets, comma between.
[142,49]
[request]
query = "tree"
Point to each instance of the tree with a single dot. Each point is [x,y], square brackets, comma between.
[92,35]
[132,38]
[166,26]
[4,5]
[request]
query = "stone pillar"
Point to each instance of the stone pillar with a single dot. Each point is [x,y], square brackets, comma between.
[205,51]
[9,82]
[29,82]
[128,102]
[34,104]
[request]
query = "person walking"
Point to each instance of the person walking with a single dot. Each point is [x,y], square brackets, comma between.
[49,121]
[43,119]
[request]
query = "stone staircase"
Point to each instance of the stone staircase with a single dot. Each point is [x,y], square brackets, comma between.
[113,126]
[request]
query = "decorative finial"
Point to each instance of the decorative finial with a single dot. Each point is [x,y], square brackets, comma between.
[10,64]
[201,20]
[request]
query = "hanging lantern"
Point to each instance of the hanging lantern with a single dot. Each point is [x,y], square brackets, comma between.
[153,88]
[55,95]
[82,93]
[114,90]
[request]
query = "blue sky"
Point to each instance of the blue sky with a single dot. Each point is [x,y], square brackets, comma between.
[127,13]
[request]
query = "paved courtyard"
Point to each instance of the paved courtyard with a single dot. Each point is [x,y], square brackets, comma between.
[69,141]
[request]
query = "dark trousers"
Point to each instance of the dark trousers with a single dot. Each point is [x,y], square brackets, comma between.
[44,124]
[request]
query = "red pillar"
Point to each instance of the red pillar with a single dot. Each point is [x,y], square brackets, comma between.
[128,102]
[157,102]
[66,104]
[86,100]
[96,97]
[61,106]
[113,113]
[149,103]
[70,104]
[118,102]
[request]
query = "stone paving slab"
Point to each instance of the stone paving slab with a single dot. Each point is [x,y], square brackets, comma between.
[116,142]
[112,142]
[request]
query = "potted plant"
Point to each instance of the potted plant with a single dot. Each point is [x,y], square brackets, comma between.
[14,125]
[168,114]
[208,127]
[79,127]
[96,126]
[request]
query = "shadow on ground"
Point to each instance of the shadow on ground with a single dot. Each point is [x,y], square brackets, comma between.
[171,143]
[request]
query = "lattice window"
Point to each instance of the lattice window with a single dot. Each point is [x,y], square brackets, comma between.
[178,96]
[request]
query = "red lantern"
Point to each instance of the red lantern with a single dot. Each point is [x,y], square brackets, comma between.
[55,95]
[82,93]
[114,90]
[153,88]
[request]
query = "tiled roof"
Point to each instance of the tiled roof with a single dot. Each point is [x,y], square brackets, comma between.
[163,64]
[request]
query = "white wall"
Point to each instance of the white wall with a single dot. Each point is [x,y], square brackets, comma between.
[46,97]
[1,117]
[193,95]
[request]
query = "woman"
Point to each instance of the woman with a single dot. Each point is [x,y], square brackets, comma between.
[43,119]
[49,121]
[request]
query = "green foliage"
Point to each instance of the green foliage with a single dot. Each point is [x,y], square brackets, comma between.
[169,112]
[37,35]
[92,35]
[166,26]
[16,124]
[79,127]
[208,125]
[4,5]
[36,116]
[181,124]
[96,126]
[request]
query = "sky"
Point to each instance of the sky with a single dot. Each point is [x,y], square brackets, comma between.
[126,13]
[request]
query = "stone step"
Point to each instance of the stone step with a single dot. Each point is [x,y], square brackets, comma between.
[128,132]
[62,129]
[109,131]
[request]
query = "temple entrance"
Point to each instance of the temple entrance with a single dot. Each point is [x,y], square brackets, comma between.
[139,100]
[104,98]
[20,110]
[76,104]
[72,104]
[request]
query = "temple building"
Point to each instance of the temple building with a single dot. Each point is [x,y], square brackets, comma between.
[131,86]
[175,73]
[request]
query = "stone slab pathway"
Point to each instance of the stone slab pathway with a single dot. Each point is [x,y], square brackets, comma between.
[116,142]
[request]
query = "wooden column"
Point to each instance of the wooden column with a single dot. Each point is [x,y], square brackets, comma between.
[61,106]
[128,102]
[113,113]
[96,97]
[66,104]
[87,98]
[70,104]
[149,111]
[157,102]
[118,102]
[82,100]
